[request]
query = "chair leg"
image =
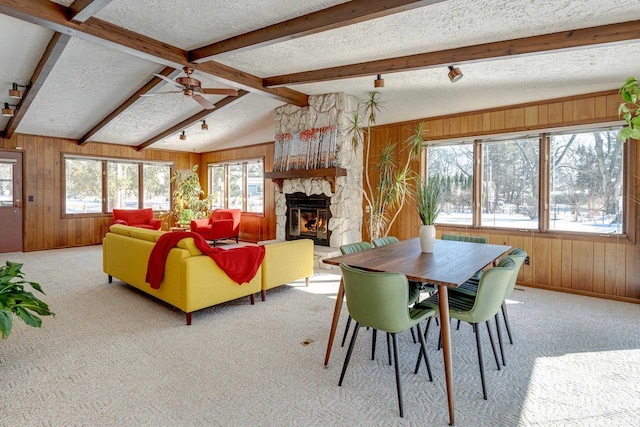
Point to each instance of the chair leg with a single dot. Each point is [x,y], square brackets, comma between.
[499,331]
[506,320]
[458,327]
[480,360]
[413,335]
[389,347]
[426,336]
[493,345]
[423,352]
[373,344]
[349,351]
[346,331]
[398,381]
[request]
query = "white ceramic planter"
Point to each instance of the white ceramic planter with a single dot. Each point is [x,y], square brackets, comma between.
[427,238]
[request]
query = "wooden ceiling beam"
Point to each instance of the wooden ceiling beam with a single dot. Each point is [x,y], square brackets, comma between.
[54,16]
[564,40]
[168,72]
[51,55]
[219,106]
[81,10]
[349,13]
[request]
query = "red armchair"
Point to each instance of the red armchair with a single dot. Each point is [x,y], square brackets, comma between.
[223,224]
[142,218]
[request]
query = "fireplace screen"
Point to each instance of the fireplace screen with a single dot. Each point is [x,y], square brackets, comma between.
[308,218]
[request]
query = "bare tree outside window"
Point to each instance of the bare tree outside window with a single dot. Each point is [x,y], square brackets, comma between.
[510,171]
[452,166]
[586,182]
[122,181]
[83,186]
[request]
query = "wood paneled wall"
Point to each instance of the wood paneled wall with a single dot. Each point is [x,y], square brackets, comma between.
[254,227]
[603,267]
[44,225]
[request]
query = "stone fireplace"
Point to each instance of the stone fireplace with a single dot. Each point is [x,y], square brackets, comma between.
[338,187]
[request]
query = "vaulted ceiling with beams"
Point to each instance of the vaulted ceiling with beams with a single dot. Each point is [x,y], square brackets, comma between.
[85,64]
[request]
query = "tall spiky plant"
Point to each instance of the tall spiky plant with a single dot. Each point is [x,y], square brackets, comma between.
[386,197]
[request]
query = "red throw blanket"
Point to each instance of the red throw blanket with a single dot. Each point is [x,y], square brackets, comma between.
[240,264]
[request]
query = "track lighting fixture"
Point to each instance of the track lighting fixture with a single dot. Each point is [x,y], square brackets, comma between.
[7,111]
[379,82]
[14,92]
[183,136]
[204,126]
[454,74]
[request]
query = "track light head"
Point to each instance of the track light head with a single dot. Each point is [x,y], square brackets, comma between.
[379,82]
[454,74]
[14,92]
[204,126]
[183,136]
[7,111]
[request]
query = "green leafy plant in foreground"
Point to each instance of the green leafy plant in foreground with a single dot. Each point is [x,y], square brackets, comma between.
[630,109]
[14,299]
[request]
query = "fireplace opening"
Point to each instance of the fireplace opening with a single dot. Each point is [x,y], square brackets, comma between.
[308,218]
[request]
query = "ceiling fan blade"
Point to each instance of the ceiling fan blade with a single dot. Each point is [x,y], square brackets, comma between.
[227,92]
[167,79]
[161,93]
[202,101]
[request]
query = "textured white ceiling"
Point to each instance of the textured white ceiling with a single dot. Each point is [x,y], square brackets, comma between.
[21,44]
[191,24]
[89,81]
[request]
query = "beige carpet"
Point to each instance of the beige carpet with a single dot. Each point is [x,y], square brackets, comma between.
[114,357]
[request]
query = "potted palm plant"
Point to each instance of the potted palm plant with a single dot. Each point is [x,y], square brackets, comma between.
[16,300]
[428,204]
[188,203]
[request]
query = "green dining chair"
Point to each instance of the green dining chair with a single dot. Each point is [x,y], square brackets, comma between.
[462,238]
[386,240]
[379,301]
[414,287]
[487,302]
[470,288]
[350,249]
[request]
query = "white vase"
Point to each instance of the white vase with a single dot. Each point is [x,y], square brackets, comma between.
[427,238]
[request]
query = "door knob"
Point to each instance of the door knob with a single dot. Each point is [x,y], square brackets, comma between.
[18,204]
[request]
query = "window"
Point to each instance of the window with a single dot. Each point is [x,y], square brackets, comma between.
[586,182]
[238,185]
[510,183]
[582,182]
[453,166]
[83,186]
[122,187]
[6,183]
[156,187]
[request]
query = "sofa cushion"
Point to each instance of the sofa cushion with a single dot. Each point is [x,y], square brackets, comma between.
[145,234]
[123,230]
[189,245]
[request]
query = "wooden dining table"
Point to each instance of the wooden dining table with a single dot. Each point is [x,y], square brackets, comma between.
[449,266]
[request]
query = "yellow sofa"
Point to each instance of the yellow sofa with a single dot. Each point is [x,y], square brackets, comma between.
[192,281]
[285,262]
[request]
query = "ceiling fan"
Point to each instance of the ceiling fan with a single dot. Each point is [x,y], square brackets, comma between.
[192,87]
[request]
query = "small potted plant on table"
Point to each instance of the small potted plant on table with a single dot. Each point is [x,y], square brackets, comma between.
[428,204]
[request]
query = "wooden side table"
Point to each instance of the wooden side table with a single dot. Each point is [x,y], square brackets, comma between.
[180,228]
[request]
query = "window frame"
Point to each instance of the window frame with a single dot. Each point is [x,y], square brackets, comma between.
[104,161]
[629,208]
[245,182]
